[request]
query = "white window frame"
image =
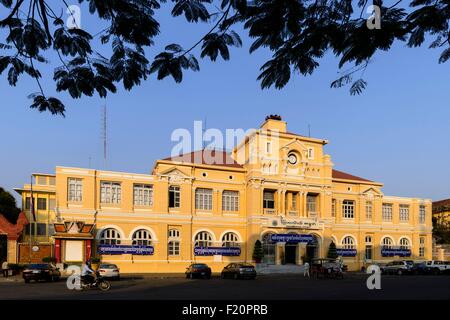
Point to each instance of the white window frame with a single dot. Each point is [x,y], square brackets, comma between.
[142,237]
[230,200]
[110,236]
[110,192]
[311,203]
[348,242]
[143,195]
[348,209]
[405,243]
[369,210]
[268,196]
[203,199]
[387,243]
[74,190]
[387,209]
[422,214]
[404,213]
[230,239]
[203,239]
[422,241]
[177,196]
[173,242]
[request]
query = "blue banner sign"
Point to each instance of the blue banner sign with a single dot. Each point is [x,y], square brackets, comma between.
[124,249]
[292,238]
[217,251]
[392,252]
[346,252]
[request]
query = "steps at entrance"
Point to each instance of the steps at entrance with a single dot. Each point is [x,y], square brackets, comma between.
[282,269]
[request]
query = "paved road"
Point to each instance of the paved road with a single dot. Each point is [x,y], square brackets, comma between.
[278,287]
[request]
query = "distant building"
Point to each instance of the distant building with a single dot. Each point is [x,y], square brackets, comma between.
[211,206]
[441,210]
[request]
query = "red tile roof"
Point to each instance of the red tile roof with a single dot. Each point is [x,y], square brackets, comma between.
[207,157]
[441,203]
[342,175]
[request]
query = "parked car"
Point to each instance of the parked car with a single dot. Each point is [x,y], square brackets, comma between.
[421,268]
[438,267]
[109,270]
[239,271]
[397,267]
[198,270]
[41,271]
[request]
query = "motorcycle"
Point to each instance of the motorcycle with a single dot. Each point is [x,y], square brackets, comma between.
[99,282]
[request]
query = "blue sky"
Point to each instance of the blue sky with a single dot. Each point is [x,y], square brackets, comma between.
[396,132]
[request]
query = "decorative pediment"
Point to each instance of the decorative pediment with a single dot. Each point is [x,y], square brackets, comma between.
[174,175]
[295,144]
[372,193]
[74,228]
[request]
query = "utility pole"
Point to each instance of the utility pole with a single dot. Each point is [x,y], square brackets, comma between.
[104,136]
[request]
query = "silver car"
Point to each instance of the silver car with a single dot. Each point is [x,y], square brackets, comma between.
[109,270]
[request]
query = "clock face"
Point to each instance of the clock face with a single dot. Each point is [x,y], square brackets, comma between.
[292,158]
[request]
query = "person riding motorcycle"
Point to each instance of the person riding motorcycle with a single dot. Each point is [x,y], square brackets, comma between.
[87,274]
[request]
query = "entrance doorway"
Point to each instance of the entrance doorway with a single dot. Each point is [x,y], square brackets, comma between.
[3,247]
[290,253]
[312,249]
[268,249]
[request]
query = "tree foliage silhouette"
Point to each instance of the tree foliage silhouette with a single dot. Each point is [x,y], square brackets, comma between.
[298,33]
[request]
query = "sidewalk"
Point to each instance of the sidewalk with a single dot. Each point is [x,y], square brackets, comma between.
[15,278]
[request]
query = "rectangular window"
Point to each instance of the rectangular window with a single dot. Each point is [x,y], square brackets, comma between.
[110,192]
[311,204]
[203,199]
[387,212]
[41,229]
[333,208]
[51,204]
[143,195]
[174,197]
[369,207]
[230,201]
[310,153]
[422,247]
[41,180]
[27,203]
[404,213]
[174,248]
[42,204]
[348,209]
[75,190]
[422,214]
[29,227]
[52,181]
[368,252]
[294,201]
[268,147]
[269,200]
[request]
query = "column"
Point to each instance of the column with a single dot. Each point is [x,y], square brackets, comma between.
[279,251]
[301,252]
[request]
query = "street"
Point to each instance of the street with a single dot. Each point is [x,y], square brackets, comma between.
[273,287]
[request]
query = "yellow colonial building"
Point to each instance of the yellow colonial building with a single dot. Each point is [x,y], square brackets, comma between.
[210,206]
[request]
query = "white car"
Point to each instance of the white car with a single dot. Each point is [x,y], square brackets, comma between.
[109,270]
[438,267]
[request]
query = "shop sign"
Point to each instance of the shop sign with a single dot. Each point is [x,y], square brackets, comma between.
[392,252]
[292,238]
[217,251]
[281,222]
[110,249]
[346,252]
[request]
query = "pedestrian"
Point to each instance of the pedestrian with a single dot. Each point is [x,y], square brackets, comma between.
[306,270]
[5,269]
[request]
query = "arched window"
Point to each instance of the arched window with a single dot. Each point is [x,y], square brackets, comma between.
[142,237]
[404,243]
[230,239]
[387,243]
[348,243]
[110,236]
[173,244]
[203,239]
